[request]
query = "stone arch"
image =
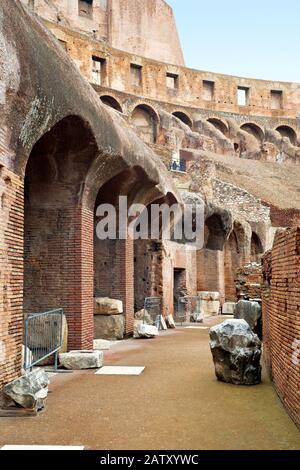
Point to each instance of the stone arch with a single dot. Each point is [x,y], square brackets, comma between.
[118,263]
[289,132]
[235,256]
[254,130]
[111,102]
[145,120]
[257,249]
[219,124]
[215,232]
[183,117]
[56,249]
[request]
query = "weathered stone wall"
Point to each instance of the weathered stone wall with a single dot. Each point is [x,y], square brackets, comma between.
[188,91]
[281,305]
[146,28]
[178,257]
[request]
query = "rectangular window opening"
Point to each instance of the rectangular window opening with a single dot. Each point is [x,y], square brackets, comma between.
[172,81]
[136,75]
[243,96]
[276,99]
[99,70]
[85,8]
[208,90]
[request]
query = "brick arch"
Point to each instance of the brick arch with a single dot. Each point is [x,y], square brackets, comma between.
[184,117]
[289,132]
[216,232]
[253,129]
[235,256]
[114,265]
[145,120]
[219,124]
[257,248]
[57,229]
[152,109]
[112,102]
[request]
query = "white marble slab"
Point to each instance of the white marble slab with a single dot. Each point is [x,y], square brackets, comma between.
[120,370]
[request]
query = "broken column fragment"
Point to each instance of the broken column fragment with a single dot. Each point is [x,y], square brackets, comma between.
[236,351]
[29,391]
[252,313]
[80,360]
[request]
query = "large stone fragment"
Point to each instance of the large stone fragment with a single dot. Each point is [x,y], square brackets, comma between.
[170,322]
[147,331]
[80,360]
[209,303]
[144,315]
[136,326]
[251,312]
[107,306]
[111,327]
[102,344]
[236,351]
[29,391]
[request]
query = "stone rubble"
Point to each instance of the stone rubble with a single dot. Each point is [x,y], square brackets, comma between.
[29,391]
[249,311]
[147,331]
[81,360]
[236,351]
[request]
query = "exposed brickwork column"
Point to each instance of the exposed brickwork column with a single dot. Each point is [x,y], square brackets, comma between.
[78,283]
[210,271]
[59,267]
[124,280]
[11,275]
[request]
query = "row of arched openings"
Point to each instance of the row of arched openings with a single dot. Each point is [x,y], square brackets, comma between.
[145,118]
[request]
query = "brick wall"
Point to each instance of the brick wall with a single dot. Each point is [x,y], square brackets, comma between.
[58,270]
[147,271]
[283,217]
[232,261]
[11,275]
[210,271]
[281,317]
[114,274]
[249,281]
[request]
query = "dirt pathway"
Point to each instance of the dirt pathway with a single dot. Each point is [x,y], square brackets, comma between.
[175,404]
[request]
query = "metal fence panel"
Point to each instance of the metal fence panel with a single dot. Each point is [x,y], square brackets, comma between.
[188,310]
[153,309]
[42,337]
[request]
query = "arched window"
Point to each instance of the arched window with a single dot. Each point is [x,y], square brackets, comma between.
[184,118]
[256,247]
[145,120]
[219,125]
[111,102]
[254,130]
[286,131]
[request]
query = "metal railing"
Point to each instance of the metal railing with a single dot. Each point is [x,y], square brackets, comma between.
[178,166]
[188,310]
[43,335]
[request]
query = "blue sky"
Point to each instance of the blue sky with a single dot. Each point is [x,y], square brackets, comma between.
[259,38]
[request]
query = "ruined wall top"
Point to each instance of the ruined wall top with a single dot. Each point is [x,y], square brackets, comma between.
[145,28]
